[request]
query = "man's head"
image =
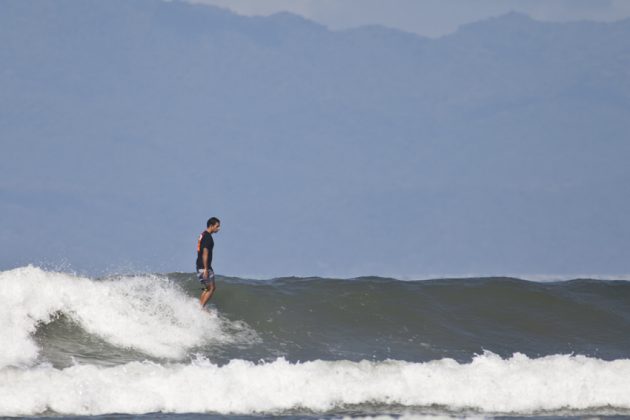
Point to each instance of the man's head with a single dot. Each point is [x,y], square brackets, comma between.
[213,225]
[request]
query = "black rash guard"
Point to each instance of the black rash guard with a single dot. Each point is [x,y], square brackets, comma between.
[205,241]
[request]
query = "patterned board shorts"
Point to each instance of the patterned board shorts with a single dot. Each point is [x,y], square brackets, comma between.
[206,282]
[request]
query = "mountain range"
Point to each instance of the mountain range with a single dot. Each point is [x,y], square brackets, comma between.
[124,124]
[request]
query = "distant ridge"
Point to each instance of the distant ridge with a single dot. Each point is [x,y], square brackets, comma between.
[500,148]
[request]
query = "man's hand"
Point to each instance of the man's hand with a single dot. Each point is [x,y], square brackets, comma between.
[205,273]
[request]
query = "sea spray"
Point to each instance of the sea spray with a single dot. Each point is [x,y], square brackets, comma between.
[150,314]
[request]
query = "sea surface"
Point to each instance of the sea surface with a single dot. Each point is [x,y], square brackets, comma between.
[139,346]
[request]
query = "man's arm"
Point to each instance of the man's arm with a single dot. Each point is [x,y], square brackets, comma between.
[205,262]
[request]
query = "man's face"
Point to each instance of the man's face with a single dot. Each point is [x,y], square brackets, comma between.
[215,228]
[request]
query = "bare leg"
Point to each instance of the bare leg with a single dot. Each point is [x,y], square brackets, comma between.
[206,294]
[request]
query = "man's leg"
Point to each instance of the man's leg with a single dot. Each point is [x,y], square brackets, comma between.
[207,293]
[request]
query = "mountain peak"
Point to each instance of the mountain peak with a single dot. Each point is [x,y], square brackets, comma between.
[291,19]
[510,21]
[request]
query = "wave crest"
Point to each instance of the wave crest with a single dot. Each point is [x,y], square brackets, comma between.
[149,314]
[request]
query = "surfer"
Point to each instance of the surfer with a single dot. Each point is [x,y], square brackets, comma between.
[204,259]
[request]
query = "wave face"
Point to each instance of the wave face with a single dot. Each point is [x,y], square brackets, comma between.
[140,344]
[376,318]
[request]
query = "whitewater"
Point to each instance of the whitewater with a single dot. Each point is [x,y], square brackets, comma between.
[73,345]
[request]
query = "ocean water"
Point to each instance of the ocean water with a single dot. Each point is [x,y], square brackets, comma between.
[140,347]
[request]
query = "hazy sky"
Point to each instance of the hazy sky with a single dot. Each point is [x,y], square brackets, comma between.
[428,17]
[329,155]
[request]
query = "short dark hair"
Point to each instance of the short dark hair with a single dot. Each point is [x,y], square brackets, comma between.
[213,221]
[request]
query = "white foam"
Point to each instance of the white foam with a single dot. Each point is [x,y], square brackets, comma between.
[146,313]
[488,383]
